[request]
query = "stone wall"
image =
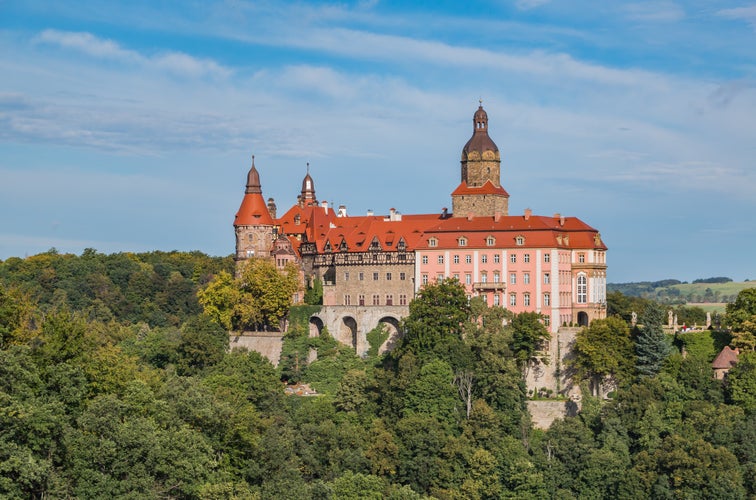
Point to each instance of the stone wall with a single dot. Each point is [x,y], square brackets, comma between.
[555,375]
[268,344]
[543,413]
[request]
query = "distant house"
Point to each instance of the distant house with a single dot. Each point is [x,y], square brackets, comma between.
[725,360]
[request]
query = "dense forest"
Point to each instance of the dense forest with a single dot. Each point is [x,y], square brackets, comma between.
[116,382]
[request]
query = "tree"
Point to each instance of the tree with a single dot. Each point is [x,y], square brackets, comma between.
[741,382]
[528,337]
[651,344]
[741,319]
[203,343]
[435,323]
[604,349]
[266,293]
[219,300]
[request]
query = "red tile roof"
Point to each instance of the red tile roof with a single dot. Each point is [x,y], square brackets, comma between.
[487,188]
[253,211]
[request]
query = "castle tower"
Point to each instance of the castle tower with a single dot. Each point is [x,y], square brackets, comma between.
[480,192]
[253,224]
[307,197]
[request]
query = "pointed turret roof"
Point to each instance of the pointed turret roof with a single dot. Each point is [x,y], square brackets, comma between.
[253,210]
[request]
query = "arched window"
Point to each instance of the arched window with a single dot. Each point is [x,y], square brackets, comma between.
[582,289]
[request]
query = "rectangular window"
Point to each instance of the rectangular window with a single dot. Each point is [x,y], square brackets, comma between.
[376,300]
[468,279]
[361,300]
[581,258]
[484,278]
[526,257]
[402,299]
[496,258]
[346,276]
[547,257]
[546,278]
[484,259]
[547,320]
[425,259]
[526,299]
[513,259]
[468,259]
[347,300]
[440,259]
[496,299]
[485,299]
[456,276]
[389,300]
[513,278]
[456,259]
[546,299]
[425,279]
[582,289]
[526,278]
[388,276]
[375,276]
[362,276]
[440,277]
[402,276]
[512,299]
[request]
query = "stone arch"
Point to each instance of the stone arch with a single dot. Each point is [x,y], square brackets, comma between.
[582,318]
[393,327]
[316,326]
[347,333]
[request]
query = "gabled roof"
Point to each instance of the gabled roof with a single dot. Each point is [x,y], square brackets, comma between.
[726,359]
[487,188]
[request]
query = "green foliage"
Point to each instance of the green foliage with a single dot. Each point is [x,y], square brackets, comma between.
[314,293]
[651,345]
[376,337]
[604,349]
[528,337]
[741,382]
[741,319]
[699,344]
[435,322]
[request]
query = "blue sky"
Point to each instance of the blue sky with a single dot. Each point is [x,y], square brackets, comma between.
[129,126]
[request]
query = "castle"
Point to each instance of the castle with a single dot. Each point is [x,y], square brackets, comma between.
[372,266]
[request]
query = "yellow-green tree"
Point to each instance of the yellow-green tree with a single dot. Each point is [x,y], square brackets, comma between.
[259,298]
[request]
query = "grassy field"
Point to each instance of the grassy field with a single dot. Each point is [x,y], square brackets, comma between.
[711,307]
[730,288]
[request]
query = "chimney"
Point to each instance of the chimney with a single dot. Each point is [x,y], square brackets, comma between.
[560,218]
[324,204]
[528,213]
[342,211]
[370,212]
[497,216]
[470,216]
[444,213]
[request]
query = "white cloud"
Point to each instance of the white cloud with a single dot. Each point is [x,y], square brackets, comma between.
[747,14]
[654,11]
[530,4]
[173,62]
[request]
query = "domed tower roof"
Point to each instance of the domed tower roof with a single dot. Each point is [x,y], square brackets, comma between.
[253,180]
[308,189]
[480,141]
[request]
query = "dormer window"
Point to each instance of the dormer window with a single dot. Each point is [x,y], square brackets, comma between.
[490,241]
[462,241]
[433,242]
[327,246]
[520,240]
[297,220]
[343,247]
[375,245]
[401,246]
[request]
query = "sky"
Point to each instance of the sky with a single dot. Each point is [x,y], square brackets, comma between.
[130,126]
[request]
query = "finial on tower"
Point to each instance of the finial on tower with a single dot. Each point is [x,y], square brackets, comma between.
[308,167]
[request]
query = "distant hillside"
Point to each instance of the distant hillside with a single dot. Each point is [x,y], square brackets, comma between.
[671,291]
